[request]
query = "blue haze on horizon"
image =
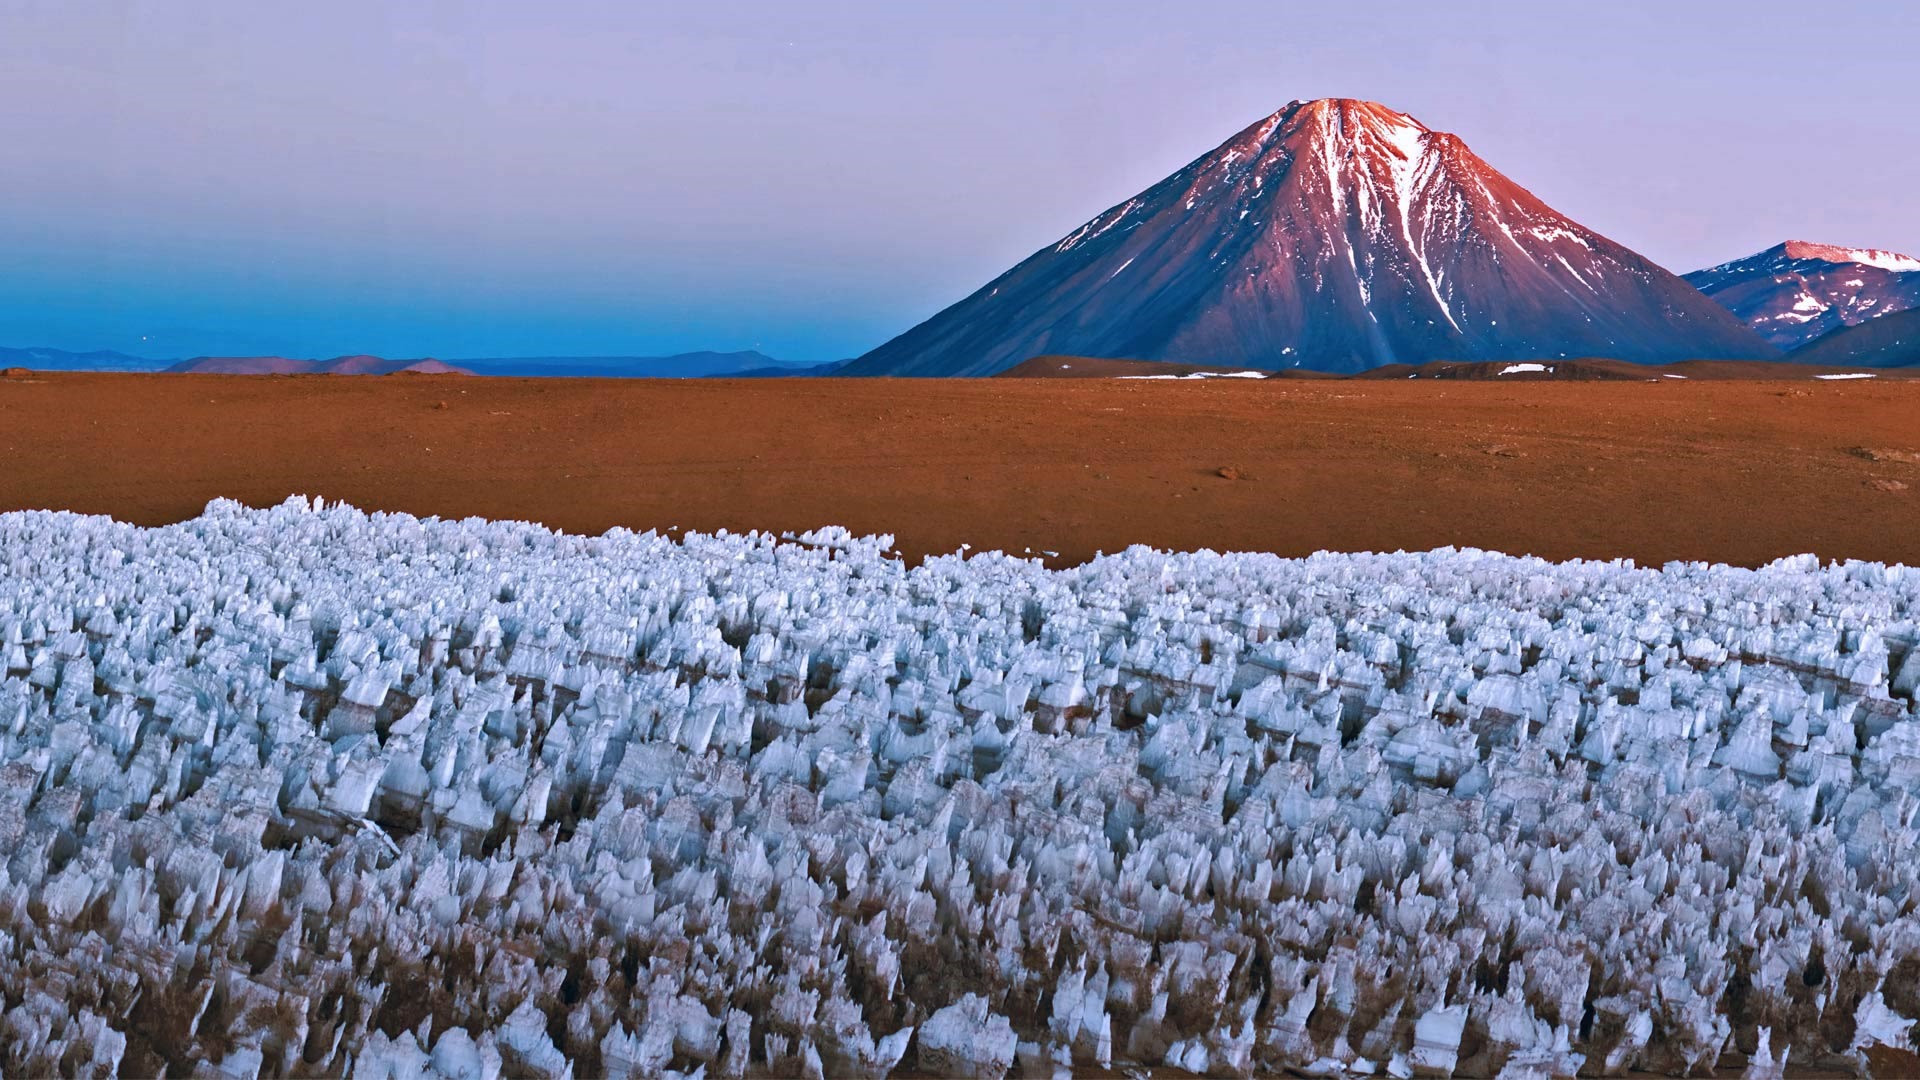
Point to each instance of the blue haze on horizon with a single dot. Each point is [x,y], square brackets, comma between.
[590,177]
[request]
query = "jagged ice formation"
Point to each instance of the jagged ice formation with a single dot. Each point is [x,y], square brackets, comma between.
[308,791]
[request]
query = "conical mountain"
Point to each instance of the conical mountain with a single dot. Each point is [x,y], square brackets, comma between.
[1338,235]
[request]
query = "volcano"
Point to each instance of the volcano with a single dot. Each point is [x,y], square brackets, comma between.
[1335,235]
[1796,292]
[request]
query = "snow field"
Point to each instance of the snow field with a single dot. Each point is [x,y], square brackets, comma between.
[1200,375]
[306,790]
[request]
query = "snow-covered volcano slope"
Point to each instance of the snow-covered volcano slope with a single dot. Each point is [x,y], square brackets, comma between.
[303,790]
[1334,235]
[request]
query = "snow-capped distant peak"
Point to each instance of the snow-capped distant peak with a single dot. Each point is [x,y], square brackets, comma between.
[1884,260]
[1797,292]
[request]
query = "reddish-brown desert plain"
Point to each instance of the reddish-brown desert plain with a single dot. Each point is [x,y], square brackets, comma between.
[1737,471]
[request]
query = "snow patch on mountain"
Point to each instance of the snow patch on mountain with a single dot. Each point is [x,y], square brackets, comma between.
[1193,375]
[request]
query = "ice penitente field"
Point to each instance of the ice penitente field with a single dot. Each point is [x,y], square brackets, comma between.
[309,791]
[303,789]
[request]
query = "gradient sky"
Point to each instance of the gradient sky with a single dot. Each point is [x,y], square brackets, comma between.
[810,177]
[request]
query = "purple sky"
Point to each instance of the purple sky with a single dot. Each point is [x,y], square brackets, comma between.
[810,177]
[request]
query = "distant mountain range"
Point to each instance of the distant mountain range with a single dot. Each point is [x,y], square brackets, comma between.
[62,360]
[1338,235]
[680,366]
[747,364]
[1796,292]
[693,365]
[339,365]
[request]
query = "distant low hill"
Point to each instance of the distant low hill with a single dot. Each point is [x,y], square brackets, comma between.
[62,360]
[1890,341]
[339,365]
[785,371]
[693,365]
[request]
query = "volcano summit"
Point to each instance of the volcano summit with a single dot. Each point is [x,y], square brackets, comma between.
[1338,235]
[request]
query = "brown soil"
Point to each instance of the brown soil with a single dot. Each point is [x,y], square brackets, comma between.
[1741,471]
[1094,367]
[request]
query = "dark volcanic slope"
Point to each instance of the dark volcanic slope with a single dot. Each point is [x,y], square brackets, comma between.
[1593,370]
[1334,234]
[1890,341]
[1796,292]
[1090,367]
[1504,371]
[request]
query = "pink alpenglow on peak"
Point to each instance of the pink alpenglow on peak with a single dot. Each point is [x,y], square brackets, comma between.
[1336,235]
[1884,260]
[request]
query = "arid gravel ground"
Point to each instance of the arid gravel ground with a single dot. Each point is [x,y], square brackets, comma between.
[1737,471]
